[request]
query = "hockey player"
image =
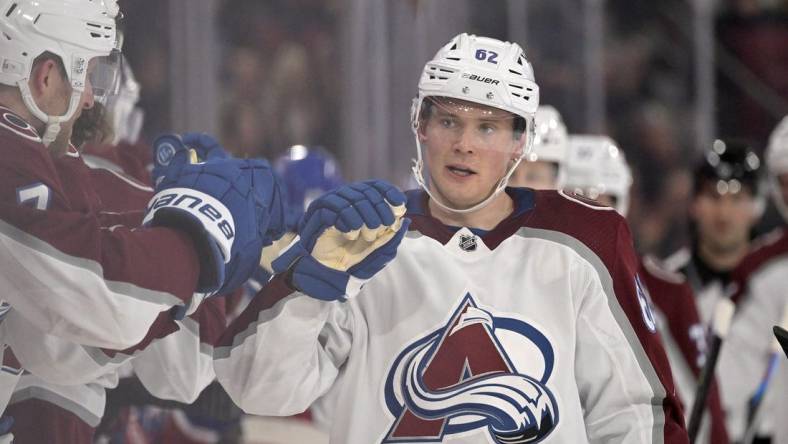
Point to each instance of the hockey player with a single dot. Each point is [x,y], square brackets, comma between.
[173,362]
[724,208]
[761,298]
[542,168]
[597,169]
[58,263]
[507,315]
[306,174]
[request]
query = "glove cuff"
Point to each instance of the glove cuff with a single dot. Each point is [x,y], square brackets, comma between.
[314,279]
[307,275]
[216,220]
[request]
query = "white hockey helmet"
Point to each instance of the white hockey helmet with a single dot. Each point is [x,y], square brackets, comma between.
[480,70]
[126,117]
[551,137]
[77,31]
[777,164]
[596,167]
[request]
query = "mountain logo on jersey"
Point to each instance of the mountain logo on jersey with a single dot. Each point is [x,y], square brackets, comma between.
[460,378]
[467,242]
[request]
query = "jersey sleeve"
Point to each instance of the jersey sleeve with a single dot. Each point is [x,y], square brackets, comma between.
[76,278]
[622,372]
[284,351]
[174,360]
[179,366]
[746,353]
[685,342]
[63,362]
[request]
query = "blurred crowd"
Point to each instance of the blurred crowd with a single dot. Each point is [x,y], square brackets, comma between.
[280,85]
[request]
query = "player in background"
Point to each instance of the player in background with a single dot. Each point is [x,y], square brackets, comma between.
[541,168]
[597,169]
[724,208]
[306,173]
[505,315]
[761,296]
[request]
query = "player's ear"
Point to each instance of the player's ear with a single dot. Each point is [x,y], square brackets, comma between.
[420,131]
[43,77]
[519,148]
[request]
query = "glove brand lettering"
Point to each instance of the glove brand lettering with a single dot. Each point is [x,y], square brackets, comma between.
[183,200]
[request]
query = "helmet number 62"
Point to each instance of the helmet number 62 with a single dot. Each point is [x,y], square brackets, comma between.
[484,54]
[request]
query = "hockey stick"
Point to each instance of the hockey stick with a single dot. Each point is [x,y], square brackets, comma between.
[753,406]
[721,322]
[782,337]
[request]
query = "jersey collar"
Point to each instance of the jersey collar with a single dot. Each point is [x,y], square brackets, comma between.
[523,199]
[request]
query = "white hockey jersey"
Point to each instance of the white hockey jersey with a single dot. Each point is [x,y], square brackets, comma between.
[760,303]
[536,330]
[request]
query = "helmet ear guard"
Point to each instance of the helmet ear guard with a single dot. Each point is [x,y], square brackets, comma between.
[483,71]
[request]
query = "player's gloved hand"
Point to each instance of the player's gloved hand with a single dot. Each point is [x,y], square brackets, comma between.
[224,204]
[344,238]
[166,146]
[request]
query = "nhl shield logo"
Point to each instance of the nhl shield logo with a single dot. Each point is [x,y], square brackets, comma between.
[468,242]
[460,378]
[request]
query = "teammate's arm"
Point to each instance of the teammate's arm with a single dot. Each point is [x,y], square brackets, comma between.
[287,347]
[77,279]
[622,371]
[284,351]
[179,366]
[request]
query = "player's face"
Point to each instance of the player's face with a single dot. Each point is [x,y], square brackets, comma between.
[468,148]
[56,103]
[723,220]
[607,200]
[538,175]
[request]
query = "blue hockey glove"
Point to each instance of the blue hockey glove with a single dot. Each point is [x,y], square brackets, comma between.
[166,146]
[344,238]
[225,205]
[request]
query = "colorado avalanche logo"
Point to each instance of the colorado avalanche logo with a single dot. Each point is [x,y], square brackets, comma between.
[460,378]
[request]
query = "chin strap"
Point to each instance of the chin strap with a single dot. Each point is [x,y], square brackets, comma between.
[418,174]
[52,122]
